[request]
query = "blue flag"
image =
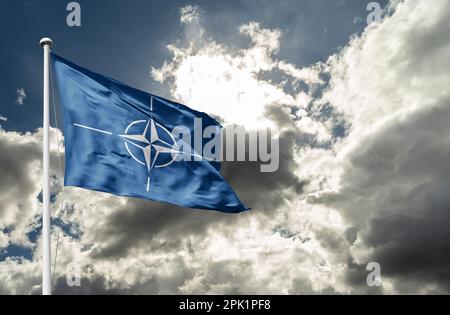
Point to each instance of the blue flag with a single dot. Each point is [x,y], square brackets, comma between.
[120,140]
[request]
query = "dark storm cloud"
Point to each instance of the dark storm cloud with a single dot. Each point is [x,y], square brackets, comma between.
[96,285]
[99,284]
[395,194]
[139,221]
[266,191]
[356,278]
[304,286]
[230,272]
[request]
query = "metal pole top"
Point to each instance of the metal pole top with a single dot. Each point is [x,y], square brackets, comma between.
[46,41]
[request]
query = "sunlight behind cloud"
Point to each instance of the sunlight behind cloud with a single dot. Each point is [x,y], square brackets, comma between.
[208,76]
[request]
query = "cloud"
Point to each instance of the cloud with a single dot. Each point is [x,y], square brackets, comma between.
[393,166]
[229,83]
[4,241]
[21,96]
[189,14]
[18,276]
[403,219]
[20,166]
[2,119]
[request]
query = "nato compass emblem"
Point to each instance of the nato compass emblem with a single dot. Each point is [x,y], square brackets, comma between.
[148,143]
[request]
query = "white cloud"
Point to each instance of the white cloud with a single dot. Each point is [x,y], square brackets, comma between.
[21,96]
[2,119]
[20,164]
[383,75]
[18,276]
[4,241]
[210,77]
[189,14]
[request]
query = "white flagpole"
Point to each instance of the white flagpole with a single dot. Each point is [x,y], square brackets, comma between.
[46,43]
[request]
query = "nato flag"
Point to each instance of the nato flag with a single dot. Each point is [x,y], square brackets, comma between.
[120,140]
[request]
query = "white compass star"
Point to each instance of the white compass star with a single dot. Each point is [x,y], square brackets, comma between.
[142,142]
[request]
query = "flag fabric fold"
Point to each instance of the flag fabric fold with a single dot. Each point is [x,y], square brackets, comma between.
[119,140]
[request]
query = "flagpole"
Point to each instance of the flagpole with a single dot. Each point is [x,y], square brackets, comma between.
[46,43]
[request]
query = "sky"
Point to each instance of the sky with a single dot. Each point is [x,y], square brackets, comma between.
[362,109]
